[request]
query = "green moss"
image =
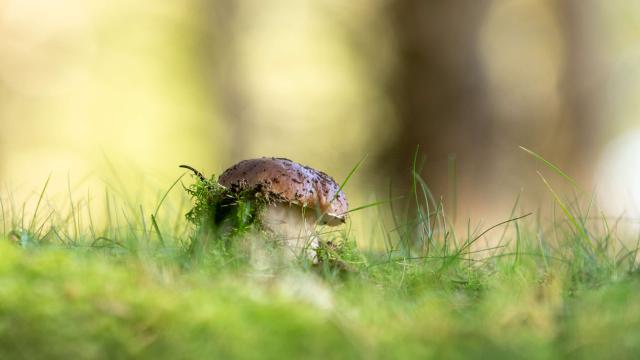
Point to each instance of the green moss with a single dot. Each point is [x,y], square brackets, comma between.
[214,206]
[55,304]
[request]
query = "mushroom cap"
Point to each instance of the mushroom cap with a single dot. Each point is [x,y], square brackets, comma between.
[286,181]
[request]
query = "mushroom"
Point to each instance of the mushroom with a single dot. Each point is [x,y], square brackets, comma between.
[298,198]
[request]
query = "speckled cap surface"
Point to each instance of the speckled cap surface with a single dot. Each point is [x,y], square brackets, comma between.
[283,180]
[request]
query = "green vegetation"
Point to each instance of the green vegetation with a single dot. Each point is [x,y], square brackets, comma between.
[221,217]
[145,287]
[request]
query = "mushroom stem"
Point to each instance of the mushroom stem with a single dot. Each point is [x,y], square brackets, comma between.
[196,172]
[294,229]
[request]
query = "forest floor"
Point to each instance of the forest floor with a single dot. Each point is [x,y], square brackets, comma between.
[136,287]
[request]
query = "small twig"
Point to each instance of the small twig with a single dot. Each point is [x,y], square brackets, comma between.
[196,172]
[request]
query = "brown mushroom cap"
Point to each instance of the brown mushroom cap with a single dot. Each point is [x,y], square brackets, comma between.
[283,180]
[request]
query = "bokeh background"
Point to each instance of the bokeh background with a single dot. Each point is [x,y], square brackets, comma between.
[92,91]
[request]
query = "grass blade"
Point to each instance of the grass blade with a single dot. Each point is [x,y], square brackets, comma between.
[553,167]
[375,203]
[346,180]
[35,212]
[157,229]
[155,213]
[4,217]
[567,213]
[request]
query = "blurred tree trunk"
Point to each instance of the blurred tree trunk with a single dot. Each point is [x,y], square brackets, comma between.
[438,92]
[576,139]
[228,76]
[441,102]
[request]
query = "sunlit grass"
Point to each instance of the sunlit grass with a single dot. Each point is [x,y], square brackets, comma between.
[130,284]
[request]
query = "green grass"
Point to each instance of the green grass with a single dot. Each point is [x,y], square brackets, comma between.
[130,283]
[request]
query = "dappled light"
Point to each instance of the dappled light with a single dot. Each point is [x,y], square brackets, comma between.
[454,179]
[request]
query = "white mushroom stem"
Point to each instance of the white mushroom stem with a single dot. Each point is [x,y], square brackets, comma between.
[294,227]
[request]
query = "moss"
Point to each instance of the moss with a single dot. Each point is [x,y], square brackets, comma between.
[229,212]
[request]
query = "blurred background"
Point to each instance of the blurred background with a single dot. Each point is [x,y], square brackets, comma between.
[95,90]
